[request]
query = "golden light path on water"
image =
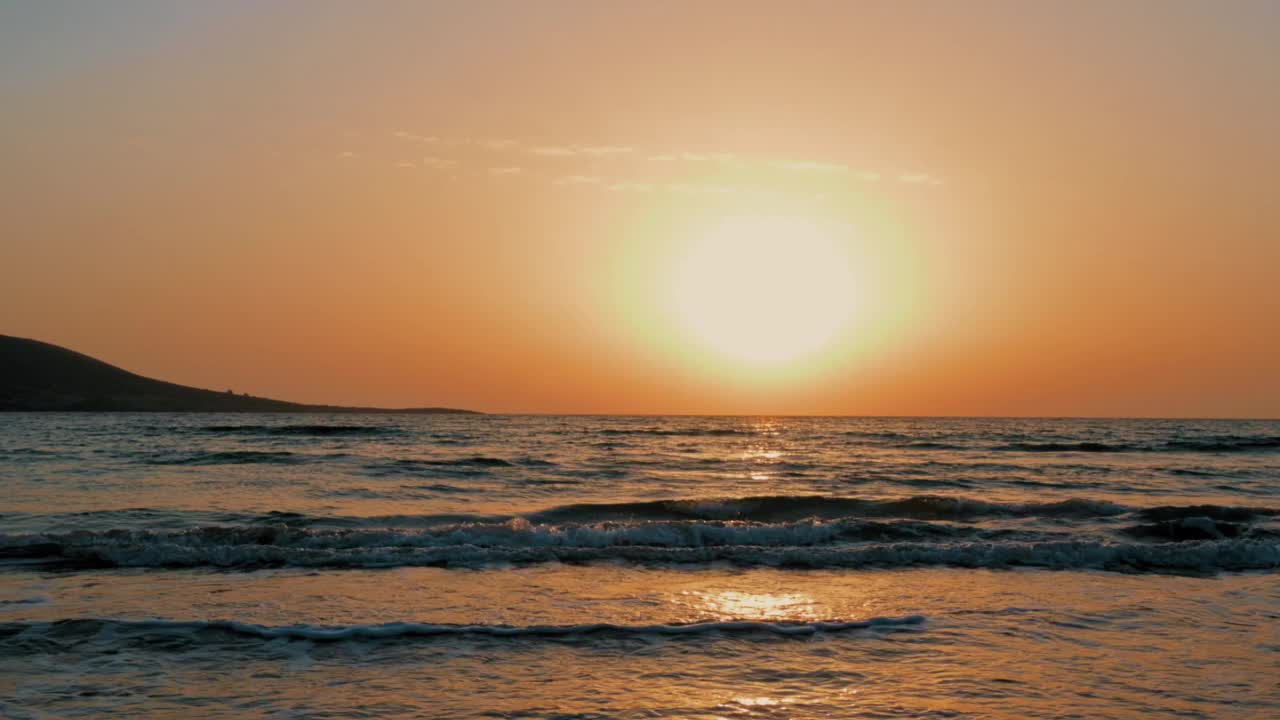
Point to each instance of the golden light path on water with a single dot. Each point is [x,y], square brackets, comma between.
[739,605]
[1025,640]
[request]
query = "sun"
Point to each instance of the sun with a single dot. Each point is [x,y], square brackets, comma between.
[764,289]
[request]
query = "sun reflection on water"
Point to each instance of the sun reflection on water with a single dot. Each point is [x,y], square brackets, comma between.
[735,605]
[762,701]
[759,453]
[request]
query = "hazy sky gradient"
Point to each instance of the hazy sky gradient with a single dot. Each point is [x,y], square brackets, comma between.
[1056,210]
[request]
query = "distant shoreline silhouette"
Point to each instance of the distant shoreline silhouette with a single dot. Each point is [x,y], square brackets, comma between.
[39,376]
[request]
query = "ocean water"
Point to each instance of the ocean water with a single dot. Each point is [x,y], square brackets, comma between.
[336,566]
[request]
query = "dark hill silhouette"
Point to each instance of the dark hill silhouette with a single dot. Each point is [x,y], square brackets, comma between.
[38,376]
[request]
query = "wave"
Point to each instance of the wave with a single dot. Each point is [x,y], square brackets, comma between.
[401,493]
[774,508]
[1192,472]
[1065,447]
[300,430]
[929,445]
[516,533]
[438,488]
[1216,512]
[748,510]
[1196,528]
[667,432]
[231,457]
[1225,443]
[16,635]
[464,465]
[1202,444]
[792,531]
[1208,556]
[1200,543]
[21,451]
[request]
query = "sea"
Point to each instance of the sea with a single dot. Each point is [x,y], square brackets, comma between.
[490,566]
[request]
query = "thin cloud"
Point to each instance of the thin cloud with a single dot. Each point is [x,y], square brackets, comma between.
[604,150]
[345,154]
[578,180]
[588,150]
[631,187]
[813,166]
[699,189]
[585,152]
[405,164]
[553,151]
[918,179]
[692,157]
[407,136]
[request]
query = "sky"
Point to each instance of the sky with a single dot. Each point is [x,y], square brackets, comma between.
[838,208]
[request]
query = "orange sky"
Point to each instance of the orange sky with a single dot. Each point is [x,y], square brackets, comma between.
[1064,210]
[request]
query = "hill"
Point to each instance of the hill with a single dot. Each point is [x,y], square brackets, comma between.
[38,376]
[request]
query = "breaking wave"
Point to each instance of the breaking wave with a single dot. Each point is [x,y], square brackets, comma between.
[812,532]
[515,533]
[750,511]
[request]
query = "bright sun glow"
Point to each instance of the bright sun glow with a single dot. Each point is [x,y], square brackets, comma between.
[764,289]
